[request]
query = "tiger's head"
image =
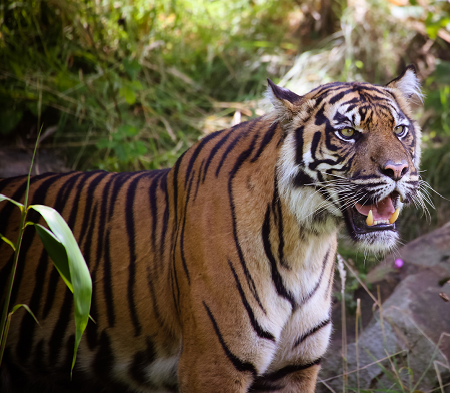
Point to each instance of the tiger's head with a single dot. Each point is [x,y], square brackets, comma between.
[351,151]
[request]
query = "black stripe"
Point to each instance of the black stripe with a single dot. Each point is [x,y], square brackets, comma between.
[313,165]
[56,339]
[266,140]
[91,329]
[301,179]
[40,364]
[309,333]
[104,359]
[256,326]
[315,143]
[197,151]
[163,187]
[5,182]
[28,324]
[66,363]
[150,282]
[283,372]
[276,277]
[153,202]
[299,146]
[316,287]
[101,233]
[199,179]
[129,222]
[89,205]
[278,214]
[239,162]
[141,361]
[183,258]
[214,151]
[107,282]
[238,364]
[250,125]
[119,180]
[340,95]
[175,232]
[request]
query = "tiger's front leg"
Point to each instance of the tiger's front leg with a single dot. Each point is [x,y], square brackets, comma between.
[211,372]
[220,355]
[288,380]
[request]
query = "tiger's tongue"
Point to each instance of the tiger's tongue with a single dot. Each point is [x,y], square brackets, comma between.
[381,210]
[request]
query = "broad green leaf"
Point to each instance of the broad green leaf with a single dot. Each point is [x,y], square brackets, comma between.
[8,241]
[57,253]
[136,85]
[127,130]
[79,273]
[103,143]
[127,93]
[141,149]
[5,198]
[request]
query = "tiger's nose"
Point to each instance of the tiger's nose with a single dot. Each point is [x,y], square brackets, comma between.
[395,170]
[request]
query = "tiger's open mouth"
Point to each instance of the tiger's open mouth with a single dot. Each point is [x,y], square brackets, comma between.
[371,216]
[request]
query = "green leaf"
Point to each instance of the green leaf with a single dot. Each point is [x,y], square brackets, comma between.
[128,93]
[8,241]
[5,198]
[17,306]
[103,143]
[57,253]
[136,85]
[79,273]
[141,149]
[127,130]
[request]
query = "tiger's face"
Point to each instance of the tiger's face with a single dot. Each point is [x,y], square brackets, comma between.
[351,153]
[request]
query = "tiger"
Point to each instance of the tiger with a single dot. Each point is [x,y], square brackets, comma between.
[215,275]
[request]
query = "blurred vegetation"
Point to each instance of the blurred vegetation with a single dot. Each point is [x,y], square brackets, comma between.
[130,84]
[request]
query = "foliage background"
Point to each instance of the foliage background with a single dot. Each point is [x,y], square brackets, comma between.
[130,84]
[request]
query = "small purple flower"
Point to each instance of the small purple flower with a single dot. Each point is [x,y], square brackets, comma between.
[398,263]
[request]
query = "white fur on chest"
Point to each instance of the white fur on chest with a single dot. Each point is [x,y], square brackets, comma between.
[309,280]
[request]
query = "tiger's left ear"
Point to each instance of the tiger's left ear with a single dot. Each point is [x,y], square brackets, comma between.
[407,83]
[284,101]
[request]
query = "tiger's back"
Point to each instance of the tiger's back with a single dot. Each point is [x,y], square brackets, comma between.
[216,275]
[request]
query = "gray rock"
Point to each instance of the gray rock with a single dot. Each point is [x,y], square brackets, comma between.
[415,318]
[15,162]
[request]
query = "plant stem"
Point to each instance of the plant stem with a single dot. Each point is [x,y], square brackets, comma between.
[3,343]
[11,282]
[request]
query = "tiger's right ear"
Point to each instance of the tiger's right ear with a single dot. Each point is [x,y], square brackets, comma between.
[284,101]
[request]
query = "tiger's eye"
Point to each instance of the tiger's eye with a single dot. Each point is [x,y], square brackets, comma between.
[347,132]
[399,130]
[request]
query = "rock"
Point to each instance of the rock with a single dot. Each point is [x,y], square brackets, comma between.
[415,318]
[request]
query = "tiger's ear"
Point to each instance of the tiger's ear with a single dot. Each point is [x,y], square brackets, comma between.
[284,101]
[407,83]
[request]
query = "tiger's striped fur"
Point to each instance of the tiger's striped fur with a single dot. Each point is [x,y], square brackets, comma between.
[215,275]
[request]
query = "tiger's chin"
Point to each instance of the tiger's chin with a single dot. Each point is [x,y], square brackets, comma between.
[372,226]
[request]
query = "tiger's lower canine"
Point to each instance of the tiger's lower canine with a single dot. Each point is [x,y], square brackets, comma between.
[215,275]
